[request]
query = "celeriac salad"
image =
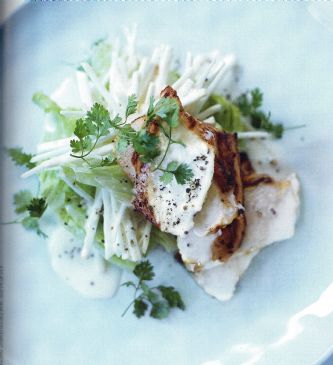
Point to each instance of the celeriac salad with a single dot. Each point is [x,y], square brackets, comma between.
[139,152]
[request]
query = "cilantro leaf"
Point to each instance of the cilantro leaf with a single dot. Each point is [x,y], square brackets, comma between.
[81,145]
[21,158]
[150,112]
[260,120]
[98,120]
[172,166]
[107,161]
[132,105]
[181,172]
[75,145]
[81,129]
[25,203]
[122,144]
[21,201]
[160,299]
[169,172]
[168,110]
[257,98]
[166,177]
[116,122]
[144,271]
[249,104]
[36,207]
[89,130]
[128,284]
[140,308]
[32,224]
[143,142]
[171,295]
[160,310]
[126,135]
[146,145]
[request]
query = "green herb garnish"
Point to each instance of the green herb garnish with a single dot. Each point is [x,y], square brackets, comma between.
[96,124]
[132,105]
[89,130]
[30,210]
[21,158]
[181,172]
[36,207]
[166,111]
[159,299]
[249,104]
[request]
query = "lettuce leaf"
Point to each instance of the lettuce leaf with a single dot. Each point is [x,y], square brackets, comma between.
[166,240]
[109,177]
[100,59]
[59,125]
[229,117]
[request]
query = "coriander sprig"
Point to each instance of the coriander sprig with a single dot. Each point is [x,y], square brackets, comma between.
[89,130]
[181,172]
[167,110]
[249,104]
[21,158]
[160,299]
[97,123]
[29,209]
[132,106]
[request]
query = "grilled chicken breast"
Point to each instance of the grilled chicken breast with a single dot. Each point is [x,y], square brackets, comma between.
[213,158]
[271,211]
[225,215]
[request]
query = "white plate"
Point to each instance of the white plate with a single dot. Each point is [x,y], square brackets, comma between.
[288,53]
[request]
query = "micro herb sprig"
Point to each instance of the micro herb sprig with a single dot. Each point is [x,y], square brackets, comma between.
[97,123]
[181,172]
[132,105]
[89,130]
[167,110]
[29,209]
[160,299]
[21,158]
[249,104]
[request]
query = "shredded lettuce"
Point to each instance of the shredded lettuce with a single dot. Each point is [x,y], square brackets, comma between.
[59,125]
[68,206]
[229,117]
[52,188]
[100,59]
[110,177]
[73,214]
[115,260]
[166,240]
[123,264]
[174,75]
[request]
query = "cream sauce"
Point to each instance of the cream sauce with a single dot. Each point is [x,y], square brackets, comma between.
[92,277]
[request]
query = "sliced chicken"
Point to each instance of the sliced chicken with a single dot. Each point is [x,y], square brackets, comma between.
[172,206]
[213,158]
[271,210]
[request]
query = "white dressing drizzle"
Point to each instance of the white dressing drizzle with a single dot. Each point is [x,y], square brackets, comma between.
[92,276]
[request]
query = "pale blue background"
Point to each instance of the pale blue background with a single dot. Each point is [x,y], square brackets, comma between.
[286,52]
